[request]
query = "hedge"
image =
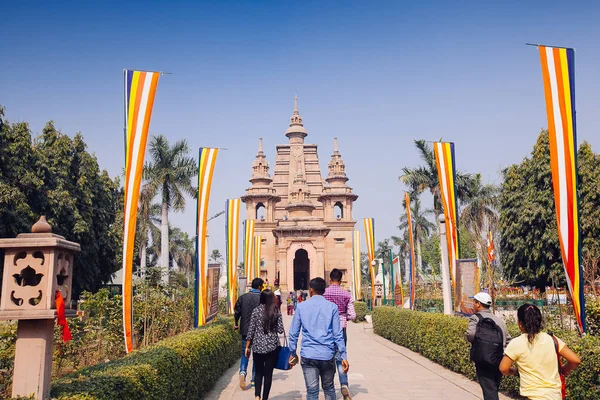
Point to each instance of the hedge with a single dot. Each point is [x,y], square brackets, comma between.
[441,338]
[361,310]
[181,367]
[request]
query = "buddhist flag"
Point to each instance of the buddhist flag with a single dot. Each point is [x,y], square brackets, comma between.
[558,71]
[491,249]
[444,157]
[356,267]
[398,284]
[249,250]
[257,255]
[232,231]
[208,158]
[412,276]
[370,238]
[140,88]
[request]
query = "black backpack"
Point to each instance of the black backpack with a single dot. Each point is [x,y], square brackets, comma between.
[488,347]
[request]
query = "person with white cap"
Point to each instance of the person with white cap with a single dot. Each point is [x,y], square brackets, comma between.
[488,335]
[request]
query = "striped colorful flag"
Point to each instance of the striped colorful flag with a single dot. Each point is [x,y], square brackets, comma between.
[444,157]
[140,89]
[398,272]
[370,238]
[491,249]
[232,230]
[558,71]
[208,158]
[257,255]
[249,250]
[412,275]
[356,267]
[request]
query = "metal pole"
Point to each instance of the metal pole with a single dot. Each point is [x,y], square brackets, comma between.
[446,286]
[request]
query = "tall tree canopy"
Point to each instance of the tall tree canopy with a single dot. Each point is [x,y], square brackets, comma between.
[54,175]
[530,248]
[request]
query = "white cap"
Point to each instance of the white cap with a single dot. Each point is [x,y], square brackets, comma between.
[278,293]
[483,298]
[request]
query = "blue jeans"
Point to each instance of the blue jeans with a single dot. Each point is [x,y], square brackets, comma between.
[315,369]
[244,361]
[338,362]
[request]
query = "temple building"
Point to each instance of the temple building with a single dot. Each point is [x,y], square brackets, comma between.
[305,221]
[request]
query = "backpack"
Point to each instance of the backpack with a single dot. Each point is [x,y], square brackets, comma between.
[488,347]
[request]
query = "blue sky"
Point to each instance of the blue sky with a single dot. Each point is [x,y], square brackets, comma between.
[375,74]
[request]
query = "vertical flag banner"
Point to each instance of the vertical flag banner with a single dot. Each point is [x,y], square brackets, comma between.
[491,249]
[249,250]
[412,271]
[140,88]
[558,71]
[444,157]
[232,232]
[208,157]
[370,238]
[257,255]
[356,267]
[398,283]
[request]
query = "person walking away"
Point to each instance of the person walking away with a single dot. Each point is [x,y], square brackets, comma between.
[244,307]
[290,304]
[319,321]
[278,301]
[345,305]
[488,337]
[537,356]
[299,295]
[265,324]
[294,299]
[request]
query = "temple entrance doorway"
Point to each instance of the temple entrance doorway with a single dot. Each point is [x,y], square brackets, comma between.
[301,269]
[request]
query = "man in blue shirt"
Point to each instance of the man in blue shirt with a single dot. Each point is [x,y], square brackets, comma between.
[319,321]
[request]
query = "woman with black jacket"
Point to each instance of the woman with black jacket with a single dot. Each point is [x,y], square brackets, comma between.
[265,324]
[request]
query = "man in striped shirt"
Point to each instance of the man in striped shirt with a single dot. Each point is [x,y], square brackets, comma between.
[345,304]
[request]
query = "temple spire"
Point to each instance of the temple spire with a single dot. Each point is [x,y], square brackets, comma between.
[260,146]
[296,105]
[296,132]
[335,145]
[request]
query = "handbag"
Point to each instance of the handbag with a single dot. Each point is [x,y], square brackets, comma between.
[283,357]
[563,381]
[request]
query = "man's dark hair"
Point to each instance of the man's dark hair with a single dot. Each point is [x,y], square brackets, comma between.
[486,306]
[317,285]
[336,275]
[257,283]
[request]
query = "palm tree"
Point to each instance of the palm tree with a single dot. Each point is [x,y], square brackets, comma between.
[147,225]
[480,214]
[403,245]
[170,173]
[425,177]
[182,251]
[216,256]
[422,227]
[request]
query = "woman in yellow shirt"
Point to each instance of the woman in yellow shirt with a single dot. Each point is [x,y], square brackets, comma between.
[535,357]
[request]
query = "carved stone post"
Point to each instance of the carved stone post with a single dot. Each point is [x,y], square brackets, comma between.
[36,265]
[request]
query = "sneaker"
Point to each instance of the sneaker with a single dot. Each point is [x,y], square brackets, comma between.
[243,381]
[346,393]
[252,383]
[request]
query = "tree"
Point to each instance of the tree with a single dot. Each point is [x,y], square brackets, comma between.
[216,256]
[182,252]
[479,215]
[432,256]
[589,204]
[527,224]
[421,227]
[147,221]
[170,173]
[425,177]
[55,176]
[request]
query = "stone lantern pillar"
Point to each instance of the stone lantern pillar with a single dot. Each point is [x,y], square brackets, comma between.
[36,265]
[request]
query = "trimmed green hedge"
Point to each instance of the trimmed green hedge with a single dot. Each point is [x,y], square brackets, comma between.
[361,310]
[441,338]
[182,367]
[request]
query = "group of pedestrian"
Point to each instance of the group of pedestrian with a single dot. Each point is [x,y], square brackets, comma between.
[535,356]
[322,321]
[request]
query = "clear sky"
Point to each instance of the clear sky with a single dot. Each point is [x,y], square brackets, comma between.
[375,74]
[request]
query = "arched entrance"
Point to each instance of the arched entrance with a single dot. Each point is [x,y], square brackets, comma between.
[301,269]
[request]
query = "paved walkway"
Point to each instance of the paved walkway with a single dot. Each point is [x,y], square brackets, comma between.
[379,369]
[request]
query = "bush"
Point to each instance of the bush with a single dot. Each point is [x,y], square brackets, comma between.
[361,310]
[592,316]
[441,338]
[181,367]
